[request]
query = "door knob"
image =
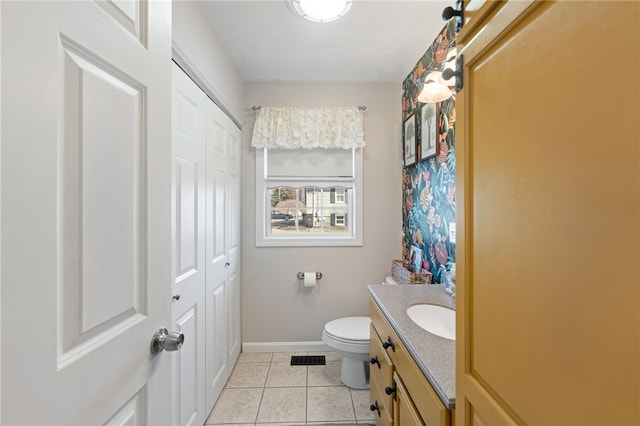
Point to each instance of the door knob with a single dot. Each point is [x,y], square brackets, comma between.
[164,340]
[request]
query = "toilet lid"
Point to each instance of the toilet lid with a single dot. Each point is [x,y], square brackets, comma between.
[351,328]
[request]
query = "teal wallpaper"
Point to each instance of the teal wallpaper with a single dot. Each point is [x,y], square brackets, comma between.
[429,186]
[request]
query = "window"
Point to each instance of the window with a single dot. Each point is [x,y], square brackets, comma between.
[308,176]
[308,197]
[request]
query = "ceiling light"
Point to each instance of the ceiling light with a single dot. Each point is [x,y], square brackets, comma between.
[321,10]
[433,91]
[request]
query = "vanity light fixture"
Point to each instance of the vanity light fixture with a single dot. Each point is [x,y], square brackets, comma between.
[321,10]
[433,91]
[436,88]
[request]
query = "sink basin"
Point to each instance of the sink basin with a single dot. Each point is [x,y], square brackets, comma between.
[435,319]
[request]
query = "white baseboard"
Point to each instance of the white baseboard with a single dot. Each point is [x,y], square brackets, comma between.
[284,347]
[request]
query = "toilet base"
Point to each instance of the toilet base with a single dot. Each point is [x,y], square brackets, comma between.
[355,373]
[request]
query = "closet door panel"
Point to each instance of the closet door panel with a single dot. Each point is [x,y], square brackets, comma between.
[189,248]
[218,367]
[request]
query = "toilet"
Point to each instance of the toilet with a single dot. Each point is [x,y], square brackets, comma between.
[350,338]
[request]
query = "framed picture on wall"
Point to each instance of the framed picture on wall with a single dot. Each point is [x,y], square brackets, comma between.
[409,140]
[415,259]
[429,130]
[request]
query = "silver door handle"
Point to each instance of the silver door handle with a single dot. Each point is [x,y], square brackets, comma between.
[163,340]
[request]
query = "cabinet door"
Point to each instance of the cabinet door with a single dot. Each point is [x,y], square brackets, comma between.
[404,412]
[548,202]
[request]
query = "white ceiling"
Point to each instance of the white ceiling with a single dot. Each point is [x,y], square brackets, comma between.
[377,41]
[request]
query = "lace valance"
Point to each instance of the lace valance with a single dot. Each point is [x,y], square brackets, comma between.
[293,127]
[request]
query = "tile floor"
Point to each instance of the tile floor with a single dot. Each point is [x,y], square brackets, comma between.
[265,389]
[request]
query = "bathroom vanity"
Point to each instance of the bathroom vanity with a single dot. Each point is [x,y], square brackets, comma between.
[412,375]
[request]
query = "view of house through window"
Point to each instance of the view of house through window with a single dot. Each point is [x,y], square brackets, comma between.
[308,209]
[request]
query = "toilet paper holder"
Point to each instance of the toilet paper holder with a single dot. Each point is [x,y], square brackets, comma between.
[301,275]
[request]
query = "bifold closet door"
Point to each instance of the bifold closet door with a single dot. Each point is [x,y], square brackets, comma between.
[206,301]
[221,144]
[189,105]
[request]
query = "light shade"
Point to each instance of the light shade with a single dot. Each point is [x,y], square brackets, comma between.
[433,90]
[321,10]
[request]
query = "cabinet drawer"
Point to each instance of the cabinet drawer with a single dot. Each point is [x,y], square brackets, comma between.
[427,402]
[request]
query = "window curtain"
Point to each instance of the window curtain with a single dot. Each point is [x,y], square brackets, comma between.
[293,128]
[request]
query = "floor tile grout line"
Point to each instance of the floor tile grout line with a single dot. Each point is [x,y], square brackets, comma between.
[259,405]
[353,405]
[264,386]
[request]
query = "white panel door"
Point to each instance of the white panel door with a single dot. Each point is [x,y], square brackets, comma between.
[86,178]
[189,104]
[223,251]
[233,226]
[217,255]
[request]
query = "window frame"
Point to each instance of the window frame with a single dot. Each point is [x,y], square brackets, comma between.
[354,215]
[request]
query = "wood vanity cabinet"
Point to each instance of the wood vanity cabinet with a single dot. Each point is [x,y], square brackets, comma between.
[400,393]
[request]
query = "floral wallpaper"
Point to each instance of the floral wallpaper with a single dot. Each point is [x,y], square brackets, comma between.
[429,186]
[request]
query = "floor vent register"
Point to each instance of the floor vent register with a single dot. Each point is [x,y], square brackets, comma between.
[308,360]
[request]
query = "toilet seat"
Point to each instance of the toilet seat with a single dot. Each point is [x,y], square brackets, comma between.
[349,330]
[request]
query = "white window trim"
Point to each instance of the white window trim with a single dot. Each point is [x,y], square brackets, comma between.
[354,220]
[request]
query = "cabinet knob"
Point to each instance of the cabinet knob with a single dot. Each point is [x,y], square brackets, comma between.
[374,407]
[375,360]
[389,344]
[391,390]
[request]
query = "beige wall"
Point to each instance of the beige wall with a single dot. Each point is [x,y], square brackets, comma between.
[275,308]
[194,36]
